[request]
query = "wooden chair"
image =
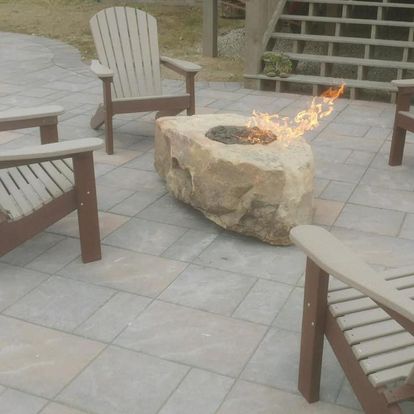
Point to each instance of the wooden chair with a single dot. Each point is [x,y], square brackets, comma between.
[126,42]
[41,184]
[404,120]
[367,317]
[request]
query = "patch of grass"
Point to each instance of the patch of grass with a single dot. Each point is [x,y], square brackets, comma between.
[179,28]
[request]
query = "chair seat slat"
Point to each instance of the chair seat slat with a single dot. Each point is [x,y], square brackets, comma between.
[381,378]
[15,193]
[8,203]
[26,189]
[388,360]
[384,344]
[36,183]
[64,169]
[49,184]
[60,180]
[351,306]
[357,319]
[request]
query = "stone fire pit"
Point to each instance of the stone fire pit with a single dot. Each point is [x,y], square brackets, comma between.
[258,190]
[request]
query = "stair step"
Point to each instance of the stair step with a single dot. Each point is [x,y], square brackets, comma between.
[350,61]
[358,3]
[346,20]
[322,80]
[342,39]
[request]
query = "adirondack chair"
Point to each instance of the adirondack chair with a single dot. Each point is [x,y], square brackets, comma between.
[126,42]
[404,120]
[41,184]
[367,317]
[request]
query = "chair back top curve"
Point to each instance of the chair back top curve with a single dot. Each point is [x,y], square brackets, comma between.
[126,41]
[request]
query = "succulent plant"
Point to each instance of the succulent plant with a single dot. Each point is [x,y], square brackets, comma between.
[276,64]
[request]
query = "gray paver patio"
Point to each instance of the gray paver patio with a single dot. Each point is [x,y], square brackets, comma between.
[179,317]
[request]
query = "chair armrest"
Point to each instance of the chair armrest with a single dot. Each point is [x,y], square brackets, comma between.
[64,149]
[24,114]
[403,83]
[101,71]
[331,255]
[180,66]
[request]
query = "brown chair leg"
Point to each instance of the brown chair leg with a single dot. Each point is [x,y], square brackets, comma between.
[99,118]
[398,137]
[49,133]
[87,207]
[190,89]
[397,146]
[108,113]
[313,330]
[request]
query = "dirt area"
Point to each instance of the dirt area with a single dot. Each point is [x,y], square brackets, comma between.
[180,29]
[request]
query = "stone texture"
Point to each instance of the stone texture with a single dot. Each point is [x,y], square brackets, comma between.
[17,402]
[41,360]
[258,190]
[102,388]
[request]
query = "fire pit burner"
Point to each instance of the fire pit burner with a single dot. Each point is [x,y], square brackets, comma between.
[231,134]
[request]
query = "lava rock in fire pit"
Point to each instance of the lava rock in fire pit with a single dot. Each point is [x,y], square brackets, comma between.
[258,190]
[240,135]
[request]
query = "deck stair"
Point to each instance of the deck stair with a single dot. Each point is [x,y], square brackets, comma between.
[364,43]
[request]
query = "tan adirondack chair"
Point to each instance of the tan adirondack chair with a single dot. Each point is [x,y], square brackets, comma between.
[367,317]
[126,42]
[41,184]
[404,120]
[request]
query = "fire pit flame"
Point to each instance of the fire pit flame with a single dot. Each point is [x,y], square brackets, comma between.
[261,125]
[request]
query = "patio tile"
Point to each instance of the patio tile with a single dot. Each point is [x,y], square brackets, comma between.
[17,402]
[103,386]
[29,250]
[380,197]
[390,178]
[339,172]
[248,398]
[276,363]
[377,249]
[263,302]
[407,230]
[290,316]
[319,185]
[378,132]
[201,392]
[109,197]
[347,397]
[208,289]
[326,211]
[57,256]
[249,256]
[375,220]
[120,157]
[60,303]
[338,191]
[143,162]
[54,408]
[15,282]
[130,179]
[136,202]
[335,139]
[330,154]
[190,245]
[68,226]
[193,337]
[171,211]
[126,270]
[362,158]
[109,320]
[348,128]
[41,360]
[145,236]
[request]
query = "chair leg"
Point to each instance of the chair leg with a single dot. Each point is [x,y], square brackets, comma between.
[99,118]
[109,134]
[397,146]
[313,330]
[87,207]
[49,133]
[190,89]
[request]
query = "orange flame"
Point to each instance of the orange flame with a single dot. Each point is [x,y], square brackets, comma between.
[286,129]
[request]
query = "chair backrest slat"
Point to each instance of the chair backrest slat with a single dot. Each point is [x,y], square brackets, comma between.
[126,41]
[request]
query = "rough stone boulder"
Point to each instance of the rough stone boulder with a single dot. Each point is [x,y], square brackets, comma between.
[258,190]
